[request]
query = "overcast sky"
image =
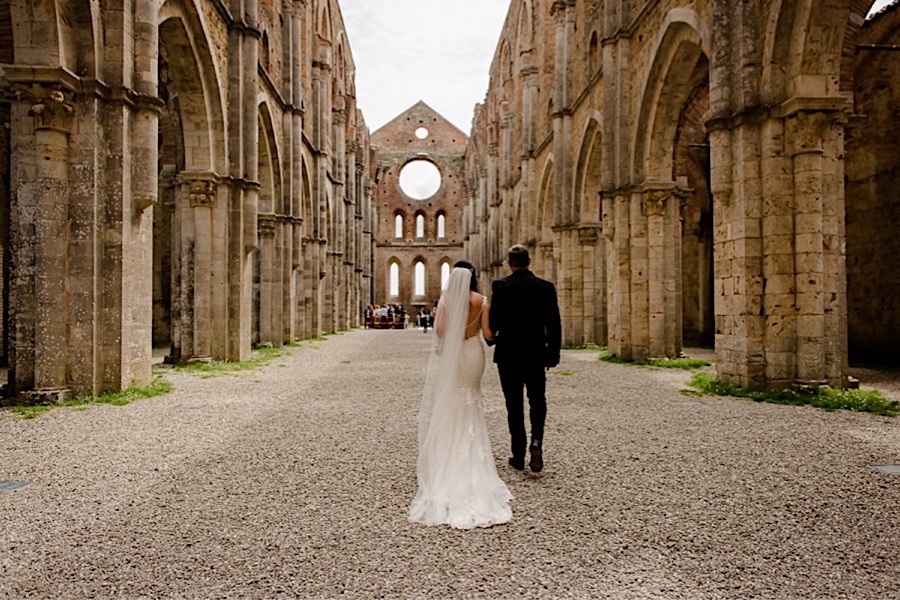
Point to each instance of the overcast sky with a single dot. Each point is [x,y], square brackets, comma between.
[439,51]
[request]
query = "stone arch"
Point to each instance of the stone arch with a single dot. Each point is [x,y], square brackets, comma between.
[586,207]
[399,219]
[70,23]
[268,284]
[394,280]
[525,30]
[681,52]
[185,45]
[310,229]
[440,224]
[323,22]
[544,263]
[271,198]
[545,219]
[77,37]
[806,48]
[594,59]
[519,234]
[445,265]
[419,271]
[340,69]
[420,222]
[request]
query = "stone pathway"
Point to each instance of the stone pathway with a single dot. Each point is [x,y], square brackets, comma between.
[294,480]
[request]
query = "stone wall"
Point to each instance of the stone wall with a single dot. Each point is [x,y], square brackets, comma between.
[677,168]
[202,184]
[397,145]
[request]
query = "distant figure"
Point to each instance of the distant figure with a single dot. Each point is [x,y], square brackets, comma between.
[525,322]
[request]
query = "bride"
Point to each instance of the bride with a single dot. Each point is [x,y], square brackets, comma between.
[458,481]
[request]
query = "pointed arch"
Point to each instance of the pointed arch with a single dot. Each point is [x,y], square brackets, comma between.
[588,173]
[394,288]
[796,62]
[184,42]
[525,30]
[545,213]
[323,25]
[681,52]
[271,198]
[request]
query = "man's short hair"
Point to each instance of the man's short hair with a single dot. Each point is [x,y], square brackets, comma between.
[518,256]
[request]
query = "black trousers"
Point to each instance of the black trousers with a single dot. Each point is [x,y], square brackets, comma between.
[515,379]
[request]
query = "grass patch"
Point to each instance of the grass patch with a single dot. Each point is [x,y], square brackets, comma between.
[826,398]
[216,368]
[562,373]
[684,362]
[585,347]
[158,387]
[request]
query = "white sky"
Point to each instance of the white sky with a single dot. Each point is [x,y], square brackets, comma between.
[879,4]
[439,51]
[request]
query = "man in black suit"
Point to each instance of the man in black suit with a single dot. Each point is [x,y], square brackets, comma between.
[524,318]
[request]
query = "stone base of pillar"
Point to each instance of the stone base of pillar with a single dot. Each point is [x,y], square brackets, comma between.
[45,396]
[200,360]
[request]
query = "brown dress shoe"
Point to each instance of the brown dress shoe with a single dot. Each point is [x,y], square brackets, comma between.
[537,461]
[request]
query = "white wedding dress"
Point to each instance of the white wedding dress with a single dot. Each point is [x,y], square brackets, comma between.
[458,481]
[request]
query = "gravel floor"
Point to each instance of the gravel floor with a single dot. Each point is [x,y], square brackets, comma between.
[294,481]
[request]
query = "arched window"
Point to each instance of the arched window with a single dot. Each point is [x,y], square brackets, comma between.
[441,226]
[420,225]
[445,274]
[420,278]
[395,280]
[398,226]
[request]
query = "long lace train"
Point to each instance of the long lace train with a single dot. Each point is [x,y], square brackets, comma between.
[458,481]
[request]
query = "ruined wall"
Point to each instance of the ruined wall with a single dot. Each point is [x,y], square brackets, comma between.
[198,179]
[677,169]
[396,145]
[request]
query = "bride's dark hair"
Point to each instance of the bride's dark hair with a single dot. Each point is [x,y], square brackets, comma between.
[473,285]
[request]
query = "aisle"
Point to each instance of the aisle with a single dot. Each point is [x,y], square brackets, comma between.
[294,480]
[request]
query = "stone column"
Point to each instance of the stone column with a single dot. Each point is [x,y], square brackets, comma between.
[199,193]
[663,213]
[593,283]
[818,246]
[268,298]
[49,193]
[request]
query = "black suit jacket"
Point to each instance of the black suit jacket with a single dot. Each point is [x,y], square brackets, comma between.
[525,320]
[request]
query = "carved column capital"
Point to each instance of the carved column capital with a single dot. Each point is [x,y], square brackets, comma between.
[266,224]
[51,107]
[655,202]
[201,192]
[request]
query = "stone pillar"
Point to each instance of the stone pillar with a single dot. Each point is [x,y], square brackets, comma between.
[812,139]
[593,282]
[41,373]
[617,226]
[739,287]
[268,297]
[663,213]
[197,206]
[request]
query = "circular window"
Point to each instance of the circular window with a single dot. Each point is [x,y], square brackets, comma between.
[421,133]
[420,179]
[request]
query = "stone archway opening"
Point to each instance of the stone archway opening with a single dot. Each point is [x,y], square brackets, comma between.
[872,178]
[691,170]
[171,162]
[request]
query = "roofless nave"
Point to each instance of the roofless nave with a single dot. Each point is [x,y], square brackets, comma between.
[196,173]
